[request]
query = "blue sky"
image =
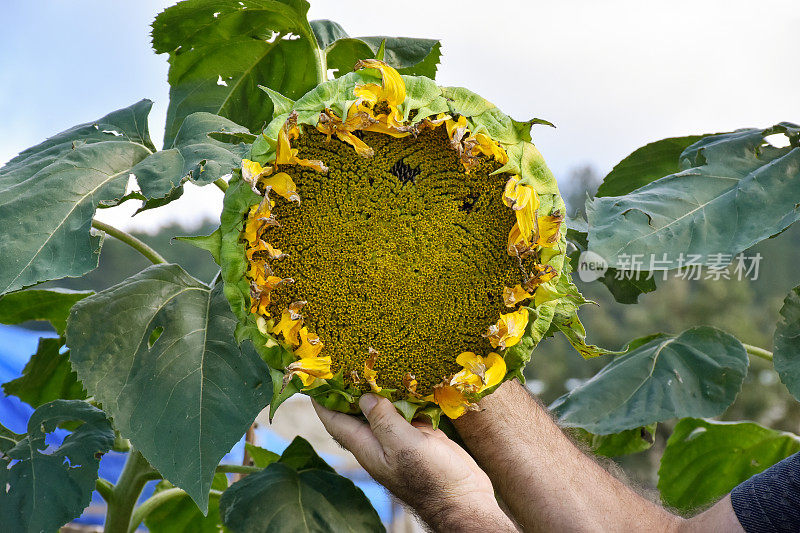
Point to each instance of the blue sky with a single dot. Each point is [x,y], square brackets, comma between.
[612,75]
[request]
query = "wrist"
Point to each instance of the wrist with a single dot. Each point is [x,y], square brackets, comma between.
[477,513]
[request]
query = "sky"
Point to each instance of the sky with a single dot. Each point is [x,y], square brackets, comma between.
[612,75]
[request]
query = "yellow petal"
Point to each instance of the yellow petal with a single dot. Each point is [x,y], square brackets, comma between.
[309,369]
[509,329]
[456,126]
[479,373]
[517,247]
[548,229]
[541,274]
[410,383]
[310,345]
[485,145]
[290,323]
[259,216]
[286,155]
[252,171]
[370,375]
[525,202]
[330,124]
[393,88]
[473,374]
[282,184]
[495,370]
[513,295]
[451,400]
[264,249]
[283,152]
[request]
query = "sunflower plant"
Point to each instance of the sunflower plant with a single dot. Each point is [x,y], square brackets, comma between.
[379,233]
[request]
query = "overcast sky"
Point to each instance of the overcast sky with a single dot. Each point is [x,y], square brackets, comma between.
[612,75]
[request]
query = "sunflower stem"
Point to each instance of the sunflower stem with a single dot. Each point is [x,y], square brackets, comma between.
[238,469]
[130,240]
[758,352]
[122,499]
[221,184]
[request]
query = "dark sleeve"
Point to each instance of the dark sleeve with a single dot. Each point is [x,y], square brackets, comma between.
[770,501]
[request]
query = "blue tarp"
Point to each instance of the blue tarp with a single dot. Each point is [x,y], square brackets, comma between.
[16,346]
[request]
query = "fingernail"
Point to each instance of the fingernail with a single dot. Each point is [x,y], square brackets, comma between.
[367,402]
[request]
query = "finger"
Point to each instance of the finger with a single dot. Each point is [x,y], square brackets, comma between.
[388,426]
[353,435]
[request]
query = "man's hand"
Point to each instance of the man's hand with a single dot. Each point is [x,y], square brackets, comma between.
[419,465]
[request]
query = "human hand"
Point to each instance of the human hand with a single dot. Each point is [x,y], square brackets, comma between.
[419,465]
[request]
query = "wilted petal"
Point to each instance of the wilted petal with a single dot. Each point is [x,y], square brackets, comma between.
[370,375]
[452,401]
[548,229]
[309,369]
[282,184]
[513,295]
[310,345]
[393,88]
[290,323]
[509,329]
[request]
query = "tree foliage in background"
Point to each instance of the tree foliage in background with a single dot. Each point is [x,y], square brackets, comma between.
[150,363]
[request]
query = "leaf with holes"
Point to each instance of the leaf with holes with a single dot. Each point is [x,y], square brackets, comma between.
[734,191]
[48,376]
[219,52]
[194,156]
[787,343]
[696,373]
[409,55]
[704,459]
[300,492]
[49,193]
[166,367]
[47,488]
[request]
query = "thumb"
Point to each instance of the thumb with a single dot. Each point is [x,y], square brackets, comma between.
[388,426]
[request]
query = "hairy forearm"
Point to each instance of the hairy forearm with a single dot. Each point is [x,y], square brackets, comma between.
[466,517]
[547,483]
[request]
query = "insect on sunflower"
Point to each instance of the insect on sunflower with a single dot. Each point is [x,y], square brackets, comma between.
[393,236]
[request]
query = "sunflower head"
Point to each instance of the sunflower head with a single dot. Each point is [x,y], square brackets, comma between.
[391,236]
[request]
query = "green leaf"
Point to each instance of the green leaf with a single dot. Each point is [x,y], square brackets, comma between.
[220,51]
[8,439]
[179,514]
[52,305]
[618,444]
[184,399]
[210,243]
[46,488]
[697,373]
[49,193]
[280,498]
[787,343]
[625,287]
[261,458]
[646,164]
[704,459]
[300,455]
[327,31]
[738,191]
[48,376]
[409,55]
[280,103]
[193,156]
